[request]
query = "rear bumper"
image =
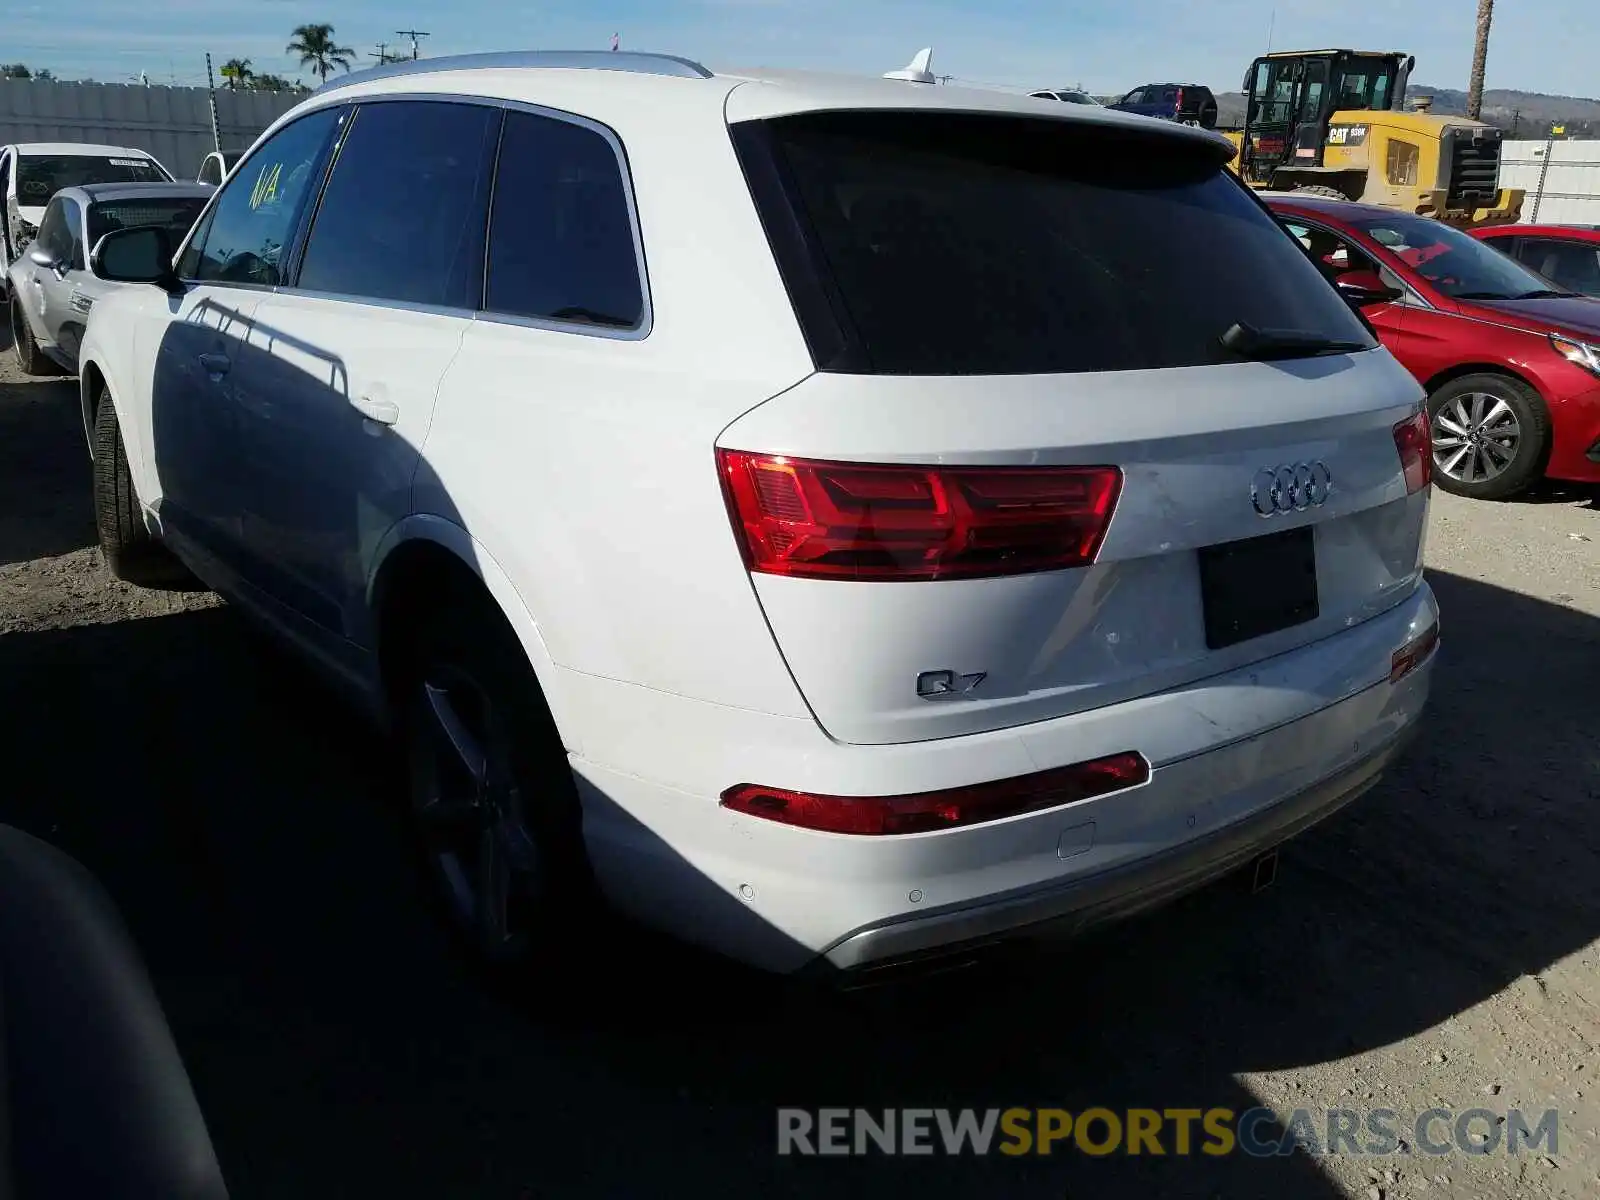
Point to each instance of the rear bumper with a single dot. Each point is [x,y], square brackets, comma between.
[1080,903]
[1239,763]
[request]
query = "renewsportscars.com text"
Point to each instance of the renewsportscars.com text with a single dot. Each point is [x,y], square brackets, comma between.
[1259,1132]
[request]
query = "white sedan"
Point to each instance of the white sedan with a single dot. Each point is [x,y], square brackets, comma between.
[32,172]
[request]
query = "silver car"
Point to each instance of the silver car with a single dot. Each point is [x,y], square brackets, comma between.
[52,286]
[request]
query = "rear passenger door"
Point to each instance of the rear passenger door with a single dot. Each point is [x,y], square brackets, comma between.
[561,352]
[346,361]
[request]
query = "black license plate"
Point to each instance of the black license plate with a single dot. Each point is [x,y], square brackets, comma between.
[1258,586]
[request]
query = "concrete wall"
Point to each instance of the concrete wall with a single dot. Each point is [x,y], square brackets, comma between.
[172,123]
[1571,185]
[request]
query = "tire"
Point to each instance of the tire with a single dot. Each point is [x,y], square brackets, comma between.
[488,781]
[1321,189]
[30,358]
[1491,436]
[131,552]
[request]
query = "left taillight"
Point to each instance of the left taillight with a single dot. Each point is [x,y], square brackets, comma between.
[1415,444]
[925,812]
[860,521]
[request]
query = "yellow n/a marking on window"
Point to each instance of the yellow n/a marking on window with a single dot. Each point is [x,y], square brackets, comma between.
[266,187]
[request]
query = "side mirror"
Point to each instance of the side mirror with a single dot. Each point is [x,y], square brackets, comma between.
[1366,288]
[40,257]
[140,255]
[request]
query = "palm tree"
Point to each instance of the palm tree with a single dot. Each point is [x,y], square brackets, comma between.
[1480,55]
[317,50]
[237,72]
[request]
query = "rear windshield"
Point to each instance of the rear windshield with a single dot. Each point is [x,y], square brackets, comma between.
[43,175]
[948,244]
[176,213]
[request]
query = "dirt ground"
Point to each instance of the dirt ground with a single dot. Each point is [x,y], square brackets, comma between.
[1433,945]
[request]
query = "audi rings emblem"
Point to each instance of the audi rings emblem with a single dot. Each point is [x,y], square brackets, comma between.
[1293,487]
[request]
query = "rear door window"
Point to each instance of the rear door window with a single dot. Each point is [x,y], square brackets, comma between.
[403,215]
[561,237]
[949,244]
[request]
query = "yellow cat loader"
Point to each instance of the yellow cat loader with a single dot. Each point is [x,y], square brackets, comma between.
[1327,122]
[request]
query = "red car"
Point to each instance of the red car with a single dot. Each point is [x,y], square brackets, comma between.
[1568,255]
[1511,363]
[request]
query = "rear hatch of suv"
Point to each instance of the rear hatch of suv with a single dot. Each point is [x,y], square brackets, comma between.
[1196,104]
[1087,424]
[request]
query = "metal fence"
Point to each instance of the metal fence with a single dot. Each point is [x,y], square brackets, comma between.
[172,123]
[1561,177]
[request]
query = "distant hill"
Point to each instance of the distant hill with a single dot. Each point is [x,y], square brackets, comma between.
[1522,114]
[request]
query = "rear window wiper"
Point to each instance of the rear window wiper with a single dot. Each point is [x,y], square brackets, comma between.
[1249,342]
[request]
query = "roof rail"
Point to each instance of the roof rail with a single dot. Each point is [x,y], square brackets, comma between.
[502,60]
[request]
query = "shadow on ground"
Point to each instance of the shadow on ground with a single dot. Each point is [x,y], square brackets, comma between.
[1555,491]
[44,505]
[339,1047]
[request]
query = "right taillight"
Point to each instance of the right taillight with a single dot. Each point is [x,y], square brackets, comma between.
[860,521]
[1413,441]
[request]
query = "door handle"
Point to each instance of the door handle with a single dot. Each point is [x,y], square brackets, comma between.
[216,365]
[384,412]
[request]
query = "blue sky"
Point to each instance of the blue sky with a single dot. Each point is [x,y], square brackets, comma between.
[1106,45]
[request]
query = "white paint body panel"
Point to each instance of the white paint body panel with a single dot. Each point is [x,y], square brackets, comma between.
[575,472]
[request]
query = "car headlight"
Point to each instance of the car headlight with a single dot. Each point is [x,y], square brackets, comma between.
[1580,354]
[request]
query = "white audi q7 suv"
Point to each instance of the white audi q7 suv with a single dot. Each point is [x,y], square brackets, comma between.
[837,521]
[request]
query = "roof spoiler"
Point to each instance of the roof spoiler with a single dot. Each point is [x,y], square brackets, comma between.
[918,70]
